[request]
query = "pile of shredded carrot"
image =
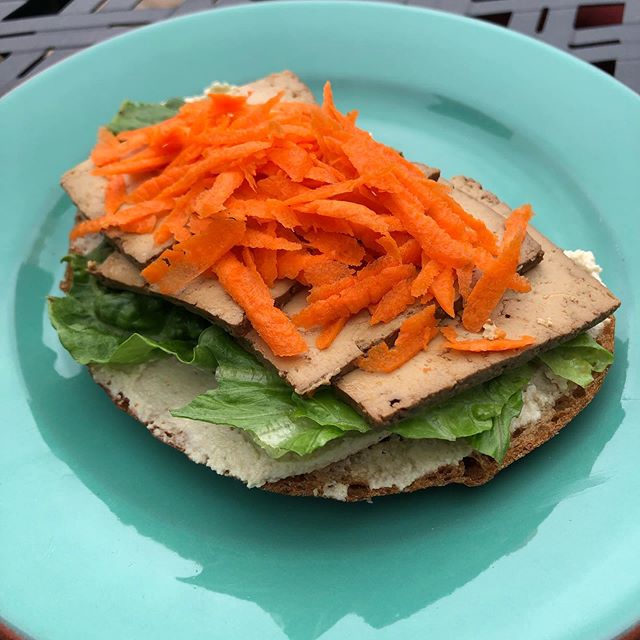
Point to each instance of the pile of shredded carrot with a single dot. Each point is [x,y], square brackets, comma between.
[255,193]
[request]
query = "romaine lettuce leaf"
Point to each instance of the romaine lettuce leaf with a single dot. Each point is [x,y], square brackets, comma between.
[252,397]
[471,412]
[134,115]
[577,359]
[495,441]
[99,325]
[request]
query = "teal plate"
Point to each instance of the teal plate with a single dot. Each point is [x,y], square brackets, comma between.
[106,533]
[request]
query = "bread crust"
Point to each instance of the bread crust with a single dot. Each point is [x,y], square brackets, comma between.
[473,470]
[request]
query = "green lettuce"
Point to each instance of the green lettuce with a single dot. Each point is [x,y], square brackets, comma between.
[495,441]
[99,325]
[482,415]
[577,359]
[134,115]
[252,397]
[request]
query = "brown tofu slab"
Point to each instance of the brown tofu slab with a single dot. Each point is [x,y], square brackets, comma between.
[315,368]
[87,191]
[204,296]
[564,302]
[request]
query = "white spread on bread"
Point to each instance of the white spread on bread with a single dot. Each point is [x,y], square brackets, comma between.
[587,261]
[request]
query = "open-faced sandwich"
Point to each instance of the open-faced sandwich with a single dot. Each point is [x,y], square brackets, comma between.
[284,299]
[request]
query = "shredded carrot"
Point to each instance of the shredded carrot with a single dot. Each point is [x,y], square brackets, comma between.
[262,240]
[428,273]
[267,265]
[144,225]
[178,266]
[444,291]
[174,224]
[124,217]
[115,194]
[483,344]
[330,333]
[464,276]
[495,280]
[393,303]
[352,299]
[287,190]
[325,192]
[411,252]
[107,148]
[216,160]
[293,160]
[150,188]
[134,165]
[326,272]
[212,201]
[278,186]
[246,287]
[337,246]
[349,211]
[434,240]
[415,334]
[292,264]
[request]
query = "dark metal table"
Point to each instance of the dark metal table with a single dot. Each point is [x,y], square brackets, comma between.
[35,34]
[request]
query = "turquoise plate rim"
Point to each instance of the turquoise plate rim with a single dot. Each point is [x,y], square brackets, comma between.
[28,452]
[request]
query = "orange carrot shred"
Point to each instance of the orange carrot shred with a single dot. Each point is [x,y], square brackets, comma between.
[481,345]
[464,277]
[134,165]
[293,160]
[107,148]
[125,216]
[349,211]
[327,272]
[444,291]
[411,252]
[212,201]
[428,273]
[261,240]
[267,265]
[415,334]
[434,240]
[352,299]
[337,246]
[115,194]
[150,188]
[246,287]
[495,280]
[144,225]
[176,267]
[174,224]
[292,264]
[393,303]
[330,333]
[325,192]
